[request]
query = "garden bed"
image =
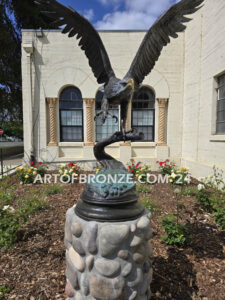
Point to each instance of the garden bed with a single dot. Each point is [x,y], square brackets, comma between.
[34,268]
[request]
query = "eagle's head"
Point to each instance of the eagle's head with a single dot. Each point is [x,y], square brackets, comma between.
[117,90]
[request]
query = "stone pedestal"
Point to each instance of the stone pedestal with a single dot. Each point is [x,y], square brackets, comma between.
[108,260]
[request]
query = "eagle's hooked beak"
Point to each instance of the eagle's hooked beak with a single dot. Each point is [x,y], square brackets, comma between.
[130,83]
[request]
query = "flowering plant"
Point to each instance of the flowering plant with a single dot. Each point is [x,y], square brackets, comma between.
[134,168]
[69,170]
[40,168]
[166,167]
[26,174]
[180,177]
[143,173]
[139,172]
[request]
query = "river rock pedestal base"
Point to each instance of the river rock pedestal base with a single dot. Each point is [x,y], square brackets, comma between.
[108,261]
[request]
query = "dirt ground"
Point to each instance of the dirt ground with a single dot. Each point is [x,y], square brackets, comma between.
[34,268]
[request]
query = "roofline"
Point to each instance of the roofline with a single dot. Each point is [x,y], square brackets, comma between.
[60,30]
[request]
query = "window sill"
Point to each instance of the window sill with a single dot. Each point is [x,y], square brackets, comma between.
[71,144]
[143,144]
[217,138]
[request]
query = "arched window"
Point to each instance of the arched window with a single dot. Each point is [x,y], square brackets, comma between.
[143,113]
[71,115]
[110,126]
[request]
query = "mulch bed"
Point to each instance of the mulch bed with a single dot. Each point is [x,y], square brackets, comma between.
[35,267]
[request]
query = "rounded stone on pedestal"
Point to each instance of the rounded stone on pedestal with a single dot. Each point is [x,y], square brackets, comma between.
[127,270]
[76,259]
[107,267]
[107,289]
[90,262]
[76,229]
[123,254]
[136,241]
[78,296]
[143,223]
[69,290]
[78,246]
[111,237]
[84,284]
[133,295]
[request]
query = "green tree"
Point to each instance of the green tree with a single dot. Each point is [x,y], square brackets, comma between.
[15,15]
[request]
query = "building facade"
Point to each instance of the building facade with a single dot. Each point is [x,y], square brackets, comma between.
[180,106]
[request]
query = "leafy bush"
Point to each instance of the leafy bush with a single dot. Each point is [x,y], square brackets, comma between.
[180,177]
[166,167]
[219,215]
[9,227]
[6,198]
[69,171]
[3,291]
[27,173]
[134,168]
[13,128]
[190,191]
[215,181]
[53,190]
[143,188]
[176,234]
[12,221]
[150,205]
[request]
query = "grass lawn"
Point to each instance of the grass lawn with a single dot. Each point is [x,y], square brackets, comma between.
[34,268]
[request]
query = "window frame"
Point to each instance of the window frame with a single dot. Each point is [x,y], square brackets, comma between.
[217,105]
[71,126]
[145,109]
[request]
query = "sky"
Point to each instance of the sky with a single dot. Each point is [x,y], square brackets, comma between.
[120,14]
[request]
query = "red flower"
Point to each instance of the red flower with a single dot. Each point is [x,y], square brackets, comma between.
[132,170]
[34,167]
[74,171]
[160,163]
[129,167]
[31,163]
[70,164]
[137,166]
[170,167]
[40,163]
[132,164]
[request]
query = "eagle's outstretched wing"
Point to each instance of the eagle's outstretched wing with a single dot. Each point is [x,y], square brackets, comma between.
[90,41]
[158,36]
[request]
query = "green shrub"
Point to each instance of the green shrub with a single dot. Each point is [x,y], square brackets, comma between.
[219,216]
[166,167]
[53,190]
[12,221]
[190,191]
[3,291]
[150,205]
[9,227]
[176,234]
[180,177]
[6,198]
[142,188]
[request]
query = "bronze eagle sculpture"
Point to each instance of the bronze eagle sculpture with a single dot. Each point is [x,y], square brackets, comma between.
[120,91]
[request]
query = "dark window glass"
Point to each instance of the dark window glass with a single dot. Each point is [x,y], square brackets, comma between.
[71,115]
[220,124]
[143,113]
[110,126]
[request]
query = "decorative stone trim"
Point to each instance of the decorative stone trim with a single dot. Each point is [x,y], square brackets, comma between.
[110,261]
[89,103]
[52,121]
[162,121]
